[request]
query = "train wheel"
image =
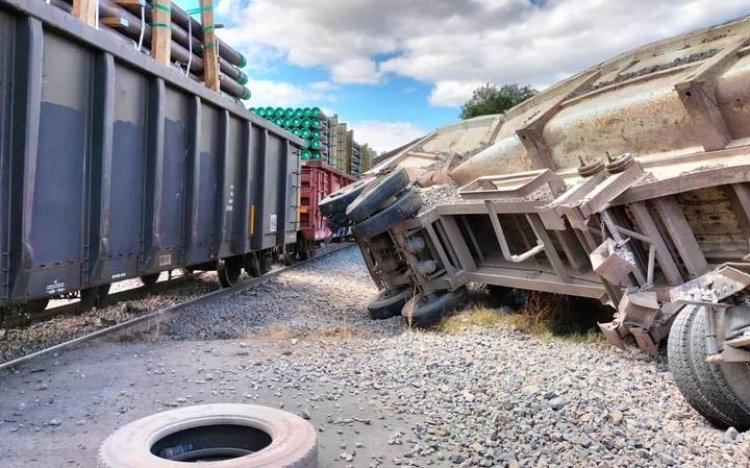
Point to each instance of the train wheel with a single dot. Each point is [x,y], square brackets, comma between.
[377,197]
[429,310]
[266,262]
[229,270]
[337,202]
[717,391]
[150,280]
[388,303]
[305,249]
[94,297]
[402,209]
[252,265]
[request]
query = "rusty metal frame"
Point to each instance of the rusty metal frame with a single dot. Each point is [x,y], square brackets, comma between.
[630,234]
[512,185]
[577,216]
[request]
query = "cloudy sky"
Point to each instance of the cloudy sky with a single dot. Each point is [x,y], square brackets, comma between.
[396,69]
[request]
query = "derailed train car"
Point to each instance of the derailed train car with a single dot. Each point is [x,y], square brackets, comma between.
[114,167]
[628,183]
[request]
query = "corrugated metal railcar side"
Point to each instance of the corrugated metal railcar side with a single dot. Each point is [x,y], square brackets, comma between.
[114,167]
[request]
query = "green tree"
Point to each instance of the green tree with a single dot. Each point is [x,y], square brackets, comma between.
[488,99]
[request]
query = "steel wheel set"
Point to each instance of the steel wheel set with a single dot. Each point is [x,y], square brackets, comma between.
[373,207]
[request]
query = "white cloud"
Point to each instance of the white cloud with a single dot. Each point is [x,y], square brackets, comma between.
[455,44]
[385,136]
[356,71]
[279,93]
[227,7]
[452,93]
[322,86]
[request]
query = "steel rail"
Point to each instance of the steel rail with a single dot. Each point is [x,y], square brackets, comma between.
[74,308]
[145,322]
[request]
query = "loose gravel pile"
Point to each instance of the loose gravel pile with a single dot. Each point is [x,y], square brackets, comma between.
[438,195]
[487,397]
[325,297]
[500,398]
[378,394]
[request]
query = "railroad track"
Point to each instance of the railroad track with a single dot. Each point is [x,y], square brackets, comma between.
[151,319]
[73,308]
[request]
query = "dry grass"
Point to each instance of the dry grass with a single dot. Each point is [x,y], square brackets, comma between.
[477,316]
[543,315]
[342,332]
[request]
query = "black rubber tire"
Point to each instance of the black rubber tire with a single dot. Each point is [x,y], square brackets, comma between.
[715,378]
[404,208]
[337,202]
[337,221]
[375,198]
[293,441]
[94,297]
[228,270]
[150,279]
[681,354]
[388,304]
[430,309]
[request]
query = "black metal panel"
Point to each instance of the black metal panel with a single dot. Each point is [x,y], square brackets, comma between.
[191,179]
[171,193]
[222,135]
[234,192]
[58,183]
[282,192]
[206,193]
[124,201]
[291,182]
[97,172]
[257,152]
[247,194]
[10,188]
[274,207]
[154,174]
[25,102]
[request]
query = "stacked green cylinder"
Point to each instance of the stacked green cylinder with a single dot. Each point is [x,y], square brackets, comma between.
[308,123]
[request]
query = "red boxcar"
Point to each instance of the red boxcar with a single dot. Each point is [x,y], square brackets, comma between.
[318,180]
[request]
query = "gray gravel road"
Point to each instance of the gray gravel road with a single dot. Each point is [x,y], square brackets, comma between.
[378,394]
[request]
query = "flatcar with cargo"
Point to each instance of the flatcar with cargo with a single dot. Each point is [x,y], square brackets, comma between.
[115,167]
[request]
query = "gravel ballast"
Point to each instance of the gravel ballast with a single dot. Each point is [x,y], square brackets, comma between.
[22,340]
[378,394]
[316,298]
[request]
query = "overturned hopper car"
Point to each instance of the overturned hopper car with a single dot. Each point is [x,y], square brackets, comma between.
[628,183]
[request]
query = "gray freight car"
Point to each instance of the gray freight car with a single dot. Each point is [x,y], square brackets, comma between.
[114,167]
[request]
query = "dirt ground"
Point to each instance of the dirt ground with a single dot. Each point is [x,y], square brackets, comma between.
[378,394]
[57,413]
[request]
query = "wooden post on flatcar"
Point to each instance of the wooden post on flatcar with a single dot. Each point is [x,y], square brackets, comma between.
[210,46]
[161,31]
[85,10]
